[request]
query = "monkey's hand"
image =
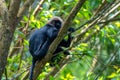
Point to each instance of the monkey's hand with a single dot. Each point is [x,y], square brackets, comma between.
[71,29]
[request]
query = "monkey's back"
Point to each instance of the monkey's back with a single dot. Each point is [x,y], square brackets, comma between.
[37,39]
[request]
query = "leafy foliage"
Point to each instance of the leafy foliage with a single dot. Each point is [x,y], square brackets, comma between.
[88,59]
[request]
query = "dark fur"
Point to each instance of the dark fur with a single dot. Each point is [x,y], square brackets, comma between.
[41,39]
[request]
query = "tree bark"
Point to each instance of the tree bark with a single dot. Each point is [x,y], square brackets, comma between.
[9,21]
[7,28]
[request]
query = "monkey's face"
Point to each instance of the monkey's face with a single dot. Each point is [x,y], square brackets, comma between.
[58,24]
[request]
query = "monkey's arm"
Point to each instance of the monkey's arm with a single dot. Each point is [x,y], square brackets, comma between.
[52,33]
[66,43]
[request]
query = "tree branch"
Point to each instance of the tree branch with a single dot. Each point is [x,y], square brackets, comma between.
[110,60]
[3,10]
[97,20]
[40,65]
[24,8]
[9,22]
[38,7]
[56,69]
[14,7]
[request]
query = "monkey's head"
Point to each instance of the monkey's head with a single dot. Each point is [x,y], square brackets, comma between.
[56,21]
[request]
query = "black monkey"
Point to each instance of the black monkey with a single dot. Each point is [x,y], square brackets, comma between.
[64,43]
[41,39]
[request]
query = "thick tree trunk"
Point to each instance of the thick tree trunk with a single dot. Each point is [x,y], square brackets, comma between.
[9,20]
[7,28]
[5,40]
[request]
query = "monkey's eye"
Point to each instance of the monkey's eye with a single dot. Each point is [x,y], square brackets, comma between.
[58,24]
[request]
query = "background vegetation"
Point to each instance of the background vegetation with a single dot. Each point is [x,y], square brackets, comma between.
[95,50]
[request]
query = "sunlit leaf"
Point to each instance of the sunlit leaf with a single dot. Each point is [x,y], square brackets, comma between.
[117,24]
[112,75]
[26,42]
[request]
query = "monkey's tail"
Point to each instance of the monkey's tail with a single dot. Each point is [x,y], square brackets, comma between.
[32,69]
